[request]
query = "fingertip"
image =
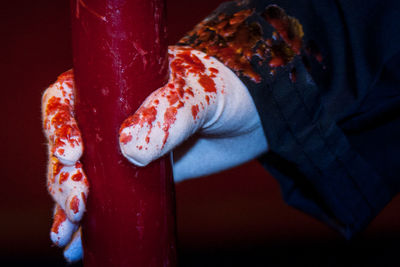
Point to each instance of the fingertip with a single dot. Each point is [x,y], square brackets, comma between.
[75,207]
[68,155]
[62,228]
[131,151]
[74,251]
[128,154]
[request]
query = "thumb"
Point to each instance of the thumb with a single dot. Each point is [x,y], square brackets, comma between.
[174,112]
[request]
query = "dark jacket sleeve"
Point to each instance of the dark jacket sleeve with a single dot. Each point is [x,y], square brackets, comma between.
[329,106]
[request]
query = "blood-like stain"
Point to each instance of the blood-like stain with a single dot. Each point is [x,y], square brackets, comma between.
[207,83]
[288,28]
[207,99]
[228,38]
[173,97]
[63,177]
[237,41]
[74,204]
[77,176]
[125,138]
[62,126]
[57,166]
[213,70]
[169,119]
[145,115]
[192,61]
[184,63]
[189,91]
[195,111]
[59,218]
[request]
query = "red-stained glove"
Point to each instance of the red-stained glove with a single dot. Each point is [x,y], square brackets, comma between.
[66,180]
[205,102]
[205,114]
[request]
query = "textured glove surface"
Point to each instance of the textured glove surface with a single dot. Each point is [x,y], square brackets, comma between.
[203,100]
[66,181]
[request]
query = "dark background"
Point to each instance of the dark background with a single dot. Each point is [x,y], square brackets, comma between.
[236,218]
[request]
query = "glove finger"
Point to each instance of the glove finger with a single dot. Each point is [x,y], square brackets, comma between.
[59,124]
[69,187]
[62,228]
[74,251]
[174,112]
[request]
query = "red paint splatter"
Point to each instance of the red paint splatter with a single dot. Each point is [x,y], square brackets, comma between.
[213,70]
[177,67]
[230,39]
[142,115]
[288,27]
[74,204]
[63,177]
[207,83]
[57,166]
[65,129]
[125,138]
[183,63]
[180,91]
[180,105]
[173,97]
[66,77]
[235,41]
[59,218]
[240,16]
[169,119]
[77,176]
[276,62]
[85,181]
[208,99]
[78,165]
[148,115]
[195,111]
[193,63]
[189,91]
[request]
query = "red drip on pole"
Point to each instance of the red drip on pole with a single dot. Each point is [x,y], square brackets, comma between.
[120,57]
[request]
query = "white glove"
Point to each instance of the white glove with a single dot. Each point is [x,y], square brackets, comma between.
[205,114]
[66,180]
[203,100]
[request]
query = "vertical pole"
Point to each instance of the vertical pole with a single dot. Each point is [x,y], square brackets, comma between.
[120,57]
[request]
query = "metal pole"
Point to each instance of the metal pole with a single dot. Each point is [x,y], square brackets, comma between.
[120,56]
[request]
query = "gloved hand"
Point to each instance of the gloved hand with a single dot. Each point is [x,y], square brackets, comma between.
[204,114]
[66,180]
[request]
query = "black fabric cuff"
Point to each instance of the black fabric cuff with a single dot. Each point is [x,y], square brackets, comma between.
[320,173]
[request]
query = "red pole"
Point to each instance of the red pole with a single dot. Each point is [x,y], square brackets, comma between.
[120,56]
